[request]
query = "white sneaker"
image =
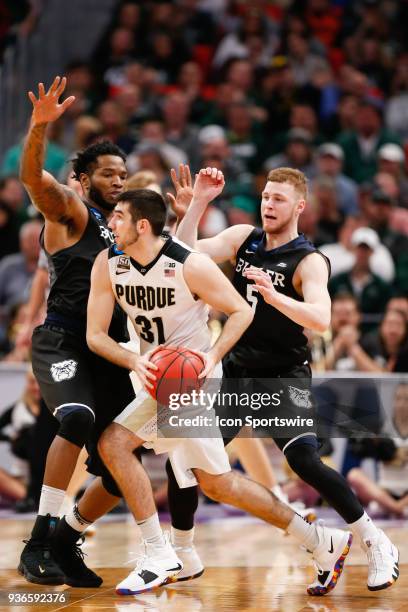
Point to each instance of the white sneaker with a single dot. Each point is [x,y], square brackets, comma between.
[192,564]
[383,558]
[158,566]
[328,558]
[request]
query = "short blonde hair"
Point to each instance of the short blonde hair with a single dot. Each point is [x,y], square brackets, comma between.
[141,179]
[292,176]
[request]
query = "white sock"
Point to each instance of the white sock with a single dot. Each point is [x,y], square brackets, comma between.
[50,501]
[182,538]
[151,530]
[66,505]
[76,520]
[364,528]
[304,532]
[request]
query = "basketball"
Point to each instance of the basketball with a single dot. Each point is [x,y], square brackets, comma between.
[178,371]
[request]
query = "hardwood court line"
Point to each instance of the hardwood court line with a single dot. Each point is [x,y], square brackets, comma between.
[82,599]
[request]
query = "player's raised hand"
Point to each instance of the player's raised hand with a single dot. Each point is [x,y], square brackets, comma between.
[262,283]
[183,186]
[208,185]
[47,107]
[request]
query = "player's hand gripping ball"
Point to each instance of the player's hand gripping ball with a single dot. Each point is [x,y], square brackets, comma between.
[177,373]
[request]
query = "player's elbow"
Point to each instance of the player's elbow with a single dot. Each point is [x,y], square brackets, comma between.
[246,315]
[92,340]
[322,323]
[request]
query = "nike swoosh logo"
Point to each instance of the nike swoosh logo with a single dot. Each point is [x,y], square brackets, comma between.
[331,549]
[323,577]
[124,272]
[174,569]
[41,569]
[250,252]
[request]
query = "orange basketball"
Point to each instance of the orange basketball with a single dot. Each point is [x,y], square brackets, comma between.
[178,370]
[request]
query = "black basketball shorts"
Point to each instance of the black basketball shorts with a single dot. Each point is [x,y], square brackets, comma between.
[71,376]
[281,401]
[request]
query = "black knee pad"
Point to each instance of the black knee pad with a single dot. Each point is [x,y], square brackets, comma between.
[110,485]
[76,425]
[302,458]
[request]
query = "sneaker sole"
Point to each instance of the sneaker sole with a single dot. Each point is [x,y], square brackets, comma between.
[338,569]
[386,585]
[125,592]
[184,578]
[37,579]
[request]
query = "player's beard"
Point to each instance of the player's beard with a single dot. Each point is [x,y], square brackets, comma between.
[95,196]
[129,242]
[278,228]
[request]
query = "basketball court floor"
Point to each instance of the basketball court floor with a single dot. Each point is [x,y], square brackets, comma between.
[250,566]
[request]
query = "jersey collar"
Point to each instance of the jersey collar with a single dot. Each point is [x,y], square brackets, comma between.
[145,269]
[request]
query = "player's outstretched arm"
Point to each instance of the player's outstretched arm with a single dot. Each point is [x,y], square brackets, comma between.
[223,247]
[101,303]
[55,201]
[206,280]
[312,274]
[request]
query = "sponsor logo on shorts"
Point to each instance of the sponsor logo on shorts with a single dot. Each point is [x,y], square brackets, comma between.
[63,370]
[300,397]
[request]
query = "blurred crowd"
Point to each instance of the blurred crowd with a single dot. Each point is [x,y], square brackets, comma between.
[318,85]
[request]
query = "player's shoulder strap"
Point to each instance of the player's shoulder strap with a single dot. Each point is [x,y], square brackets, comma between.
[253,239]
[177,250]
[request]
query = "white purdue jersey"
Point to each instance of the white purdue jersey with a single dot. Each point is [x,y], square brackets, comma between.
[158,301]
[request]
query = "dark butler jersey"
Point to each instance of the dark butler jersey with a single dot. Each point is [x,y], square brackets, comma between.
[70,277]
[272,340]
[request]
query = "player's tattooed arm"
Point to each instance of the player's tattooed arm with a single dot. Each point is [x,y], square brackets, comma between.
[55,201]
[310,281]
[101,303]
[206,280]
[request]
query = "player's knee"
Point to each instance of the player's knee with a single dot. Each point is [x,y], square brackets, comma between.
[113,438]
[210,484]
[303,459]
[76,426]
[109,484]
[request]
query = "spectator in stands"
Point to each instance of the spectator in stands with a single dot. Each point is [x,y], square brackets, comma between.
[370,290]
[345,332]
[8,230]
[298,153]
[361,145]
[390,492]
[379,209]
[396,113]
[236,45]
[344,118]
[398,302]
[330,216]
[114,125]
[16,427]
[16,270]
[237,203]
[303,60]
[342,257]
[55,158]
[386,349]
[244,135]
[179,132]
[330,158]
[391,160]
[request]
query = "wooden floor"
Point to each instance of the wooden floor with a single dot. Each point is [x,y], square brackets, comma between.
[250,567]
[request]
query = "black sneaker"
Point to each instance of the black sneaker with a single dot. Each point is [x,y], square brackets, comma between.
[70,558]
[36,562]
